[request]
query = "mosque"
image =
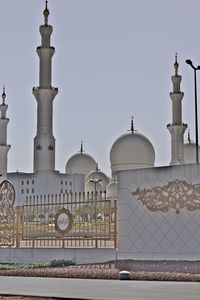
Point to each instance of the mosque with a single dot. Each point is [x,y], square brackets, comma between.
[131,151]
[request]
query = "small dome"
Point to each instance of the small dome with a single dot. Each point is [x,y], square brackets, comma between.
[111,190]
[80,163]
[98,175]
[190,152]
[132,150]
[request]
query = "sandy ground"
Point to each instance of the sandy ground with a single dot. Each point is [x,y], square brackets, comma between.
[139,270]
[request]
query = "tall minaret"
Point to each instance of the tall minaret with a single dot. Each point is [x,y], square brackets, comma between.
[44,142]
[4,148]
[177,128]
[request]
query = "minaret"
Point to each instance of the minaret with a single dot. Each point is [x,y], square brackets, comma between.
[4,148]
[44,142]
[177,128]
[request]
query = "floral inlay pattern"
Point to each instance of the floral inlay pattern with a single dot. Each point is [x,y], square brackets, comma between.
[175,195]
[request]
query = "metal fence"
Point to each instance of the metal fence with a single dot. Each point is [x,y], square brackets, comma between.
[67,220]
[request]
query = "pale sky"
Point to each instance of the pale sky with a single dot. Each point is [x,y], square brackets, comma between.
[113,59]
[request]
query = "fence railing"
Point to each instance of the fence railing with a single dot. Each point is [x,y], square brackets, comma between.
[67,220]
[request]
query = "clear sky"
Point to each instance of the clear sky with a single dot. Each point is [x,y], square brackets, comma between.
[114,59]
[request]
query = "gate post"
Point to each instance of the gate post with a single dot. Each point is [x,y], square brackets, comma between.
[116,225]
[109,218]
[18,229]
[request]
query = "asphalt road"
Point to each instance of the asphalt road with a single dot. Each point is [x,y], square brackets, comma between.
[99,289]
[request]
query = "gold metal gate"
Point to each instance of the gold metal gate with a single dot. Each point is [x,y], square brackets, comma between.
[68,220]
[7,214]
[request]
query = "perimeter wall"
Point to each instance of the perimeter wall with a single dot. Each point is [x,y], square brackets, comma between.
[159,213]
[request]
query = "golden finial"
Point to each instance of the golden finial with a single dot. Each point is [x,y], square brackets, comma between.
[132,129]
[132,125]
[4,95]
[46,13]
[176,65]
[189,140]
[81,147]
[97,167]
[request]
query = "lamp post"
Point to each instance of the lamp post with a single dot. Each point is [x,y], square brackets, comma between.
[189,62]
[95,181]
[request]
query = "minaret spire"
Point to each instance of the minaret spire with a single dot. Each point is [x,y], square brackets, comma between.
[176,65]
[44,142]
[177,128]
[46,14]
[3,95]
[4,148]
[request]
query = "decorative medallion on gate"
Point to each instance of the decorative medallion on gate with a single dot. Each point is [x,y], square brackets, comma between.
[176,194]
[63,221]
[7,214]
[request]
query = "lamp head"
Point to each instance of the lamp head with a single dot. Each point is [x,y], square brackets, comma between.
[189,62]
[95,180]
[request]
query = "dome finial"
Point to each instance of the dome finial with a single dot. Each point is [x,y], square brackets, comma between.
[81,147]
[46,13]
[3,95]
[132,125]
[176,65]
[132,129]
[97,167]
[189,140]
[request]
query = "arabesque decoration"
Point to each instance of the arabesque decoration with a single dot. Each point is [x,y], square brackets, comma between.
[63,221]
[7,214]
[176,195]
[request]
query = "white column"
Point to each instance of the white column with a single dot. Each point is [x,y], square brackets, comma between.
[177,128]
[44,142]
[4,148]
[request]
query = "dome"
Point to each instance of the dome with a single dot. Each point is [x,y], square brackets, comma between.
[80,163]
[98,175]
[190,152]
[132,150]
[111,190]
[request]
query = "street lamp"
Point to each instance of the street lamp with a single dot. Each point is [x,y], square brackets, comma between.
[189,62]
[95,181]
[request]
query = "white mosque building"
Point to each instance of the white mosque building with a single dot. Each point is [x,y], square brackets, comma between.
[131,151]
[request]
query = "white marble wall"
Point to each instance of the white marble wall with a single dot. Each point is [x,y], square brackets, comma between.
[44,183]
[144,234]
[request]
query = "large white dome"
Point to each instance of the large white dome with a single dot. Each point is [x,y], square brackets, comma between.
[80,163]
[131,150]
